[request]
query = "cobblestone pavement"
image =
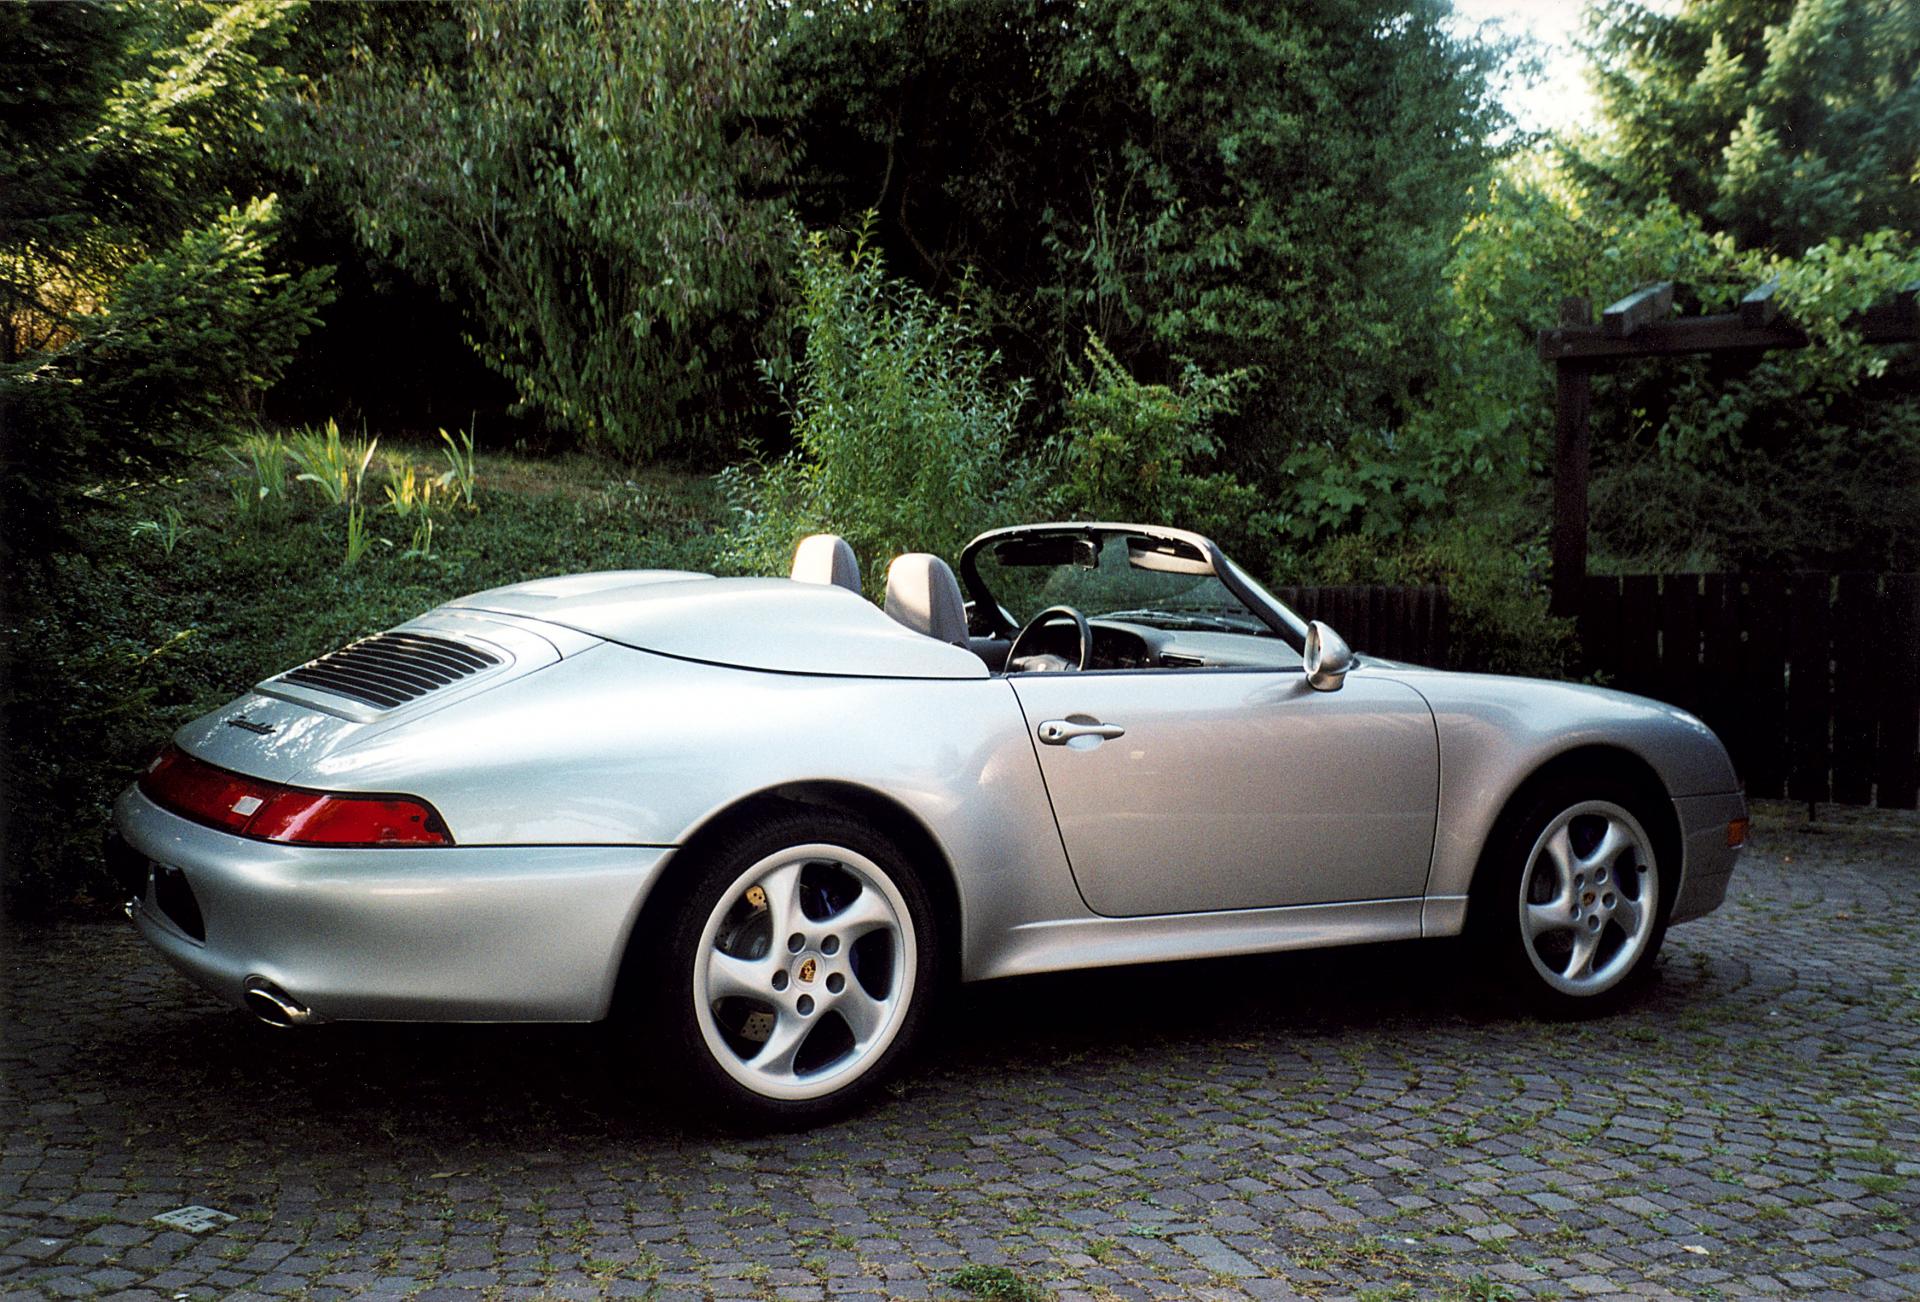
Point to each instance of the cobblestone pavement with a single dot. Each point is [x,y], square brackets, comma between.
[1339,1124]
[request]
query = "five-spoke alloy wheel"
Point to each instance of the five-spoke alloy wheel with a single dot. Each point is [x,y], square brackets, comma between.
[1573,907]
[798,966]
[1589,898]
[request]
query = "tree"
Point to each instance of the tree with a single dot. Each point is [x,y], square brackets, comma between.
[1806,459]
[595,180]
[136,300]
[1226,183]
[1785,123]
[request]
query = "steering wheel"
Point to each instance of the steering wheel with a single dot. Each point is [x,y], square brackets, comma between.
[1047,616]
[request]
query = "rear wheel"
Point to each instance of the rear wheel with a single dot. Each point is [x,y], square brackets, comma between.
[797,969]
[1574,910]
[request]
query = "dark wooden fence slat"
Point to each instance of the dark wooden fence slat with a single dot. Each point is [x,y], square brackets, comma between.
[1640,634]
[1812,680]
[1899,754]
[1394,621]
[1762,755]
[1599,625]
[1680,641]
[1357,616]
[1809,708]
[1719,696]
[1859,686]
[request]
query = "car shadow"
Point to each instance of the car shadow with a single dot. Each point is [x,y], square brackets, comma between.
[463,1090]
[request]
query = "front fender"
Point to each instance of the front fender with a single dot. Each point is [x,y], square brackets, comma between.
[1497,732]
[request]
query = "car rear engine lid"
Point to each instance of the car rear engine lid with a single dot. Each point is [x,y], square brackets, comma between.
[768,624]
[292,720]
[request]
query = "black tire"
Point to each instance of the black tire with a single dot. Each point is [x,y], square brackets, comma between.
[1612,908]
[724,912]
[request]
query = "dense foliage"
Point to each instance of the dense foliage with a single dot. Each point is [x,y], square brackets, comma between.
[904,432]
[137,302]
[1746,141]
[1785,123]
[1148,452]
[1235,185]
[590,178]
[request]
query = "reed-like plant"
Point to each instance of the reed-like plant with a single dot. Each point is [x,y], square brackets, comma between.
[358,539]
[463,470]
[335,467]
[262,477]
[422,537]
[168,530]
[408,491]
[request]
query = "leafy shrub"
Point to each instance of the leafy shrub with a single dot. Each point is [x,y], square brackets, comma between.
[904,439]
[593,182]
[1131,451]
[184,336]
[1817,451]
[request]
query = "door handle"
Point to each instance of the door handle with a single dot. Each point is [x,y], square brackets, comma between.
[1058,732]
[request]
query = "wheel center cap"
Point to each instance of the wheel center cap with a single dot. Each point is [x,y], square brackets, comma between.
[808,970]
[1588,899]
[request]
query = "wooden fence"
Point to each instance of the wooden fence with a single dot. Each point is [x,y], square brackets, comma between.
[1812,680]
[1399,623]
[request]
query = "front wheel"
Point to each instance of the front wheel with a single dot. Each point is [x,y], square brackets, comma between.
[1574,911]
[798,968]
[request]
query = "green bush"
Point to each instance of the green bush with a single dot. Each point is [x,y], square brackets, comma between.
[595,183]
[185,336]
[905,439]
[1132,452]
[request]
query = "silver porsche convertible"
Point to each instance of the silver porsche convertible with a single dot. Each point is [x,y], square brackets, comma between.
[768,818]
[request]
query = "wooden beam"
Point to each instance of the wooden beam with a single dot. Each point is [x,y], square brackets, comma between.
[1894,320]
[1642,307]
[1694,334]
[1759,307]
[1573,401]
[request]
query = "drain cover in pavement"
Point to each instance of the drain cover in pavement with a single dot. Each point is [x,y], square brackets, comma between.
[195,1220]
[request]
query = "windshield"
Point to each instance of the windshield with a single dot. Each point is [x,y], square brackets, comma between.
[1136,578]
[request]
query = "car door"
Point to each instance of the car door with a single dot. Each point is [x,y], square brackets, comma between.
[1181,791]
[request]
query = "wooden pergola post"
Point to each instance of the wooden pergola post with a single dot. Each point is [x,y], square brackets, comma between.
[1572,420]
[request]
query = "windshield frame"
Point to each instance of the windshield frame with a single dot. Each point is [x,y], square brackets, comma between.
[1260,603]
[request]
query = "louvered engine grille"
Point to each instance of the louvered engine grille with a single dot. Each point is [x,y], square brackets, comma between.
[390,669]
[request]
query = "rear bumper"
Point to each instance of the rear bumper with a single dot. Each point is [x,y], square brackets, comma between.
[1706,860]
[455,933]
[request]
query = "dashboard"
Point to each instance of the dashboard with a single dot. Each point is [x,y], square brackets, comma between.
[1121,645]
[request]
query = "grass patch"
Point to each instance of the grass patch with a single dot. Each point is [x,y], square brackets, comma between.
[996,1282]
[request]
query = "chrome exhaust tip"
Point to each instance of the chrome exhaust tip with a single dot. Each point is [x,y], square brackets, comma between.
[274,1006]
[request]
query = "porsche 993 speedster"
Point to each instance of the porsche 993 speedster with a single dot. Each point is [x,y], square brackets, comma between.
[775,817]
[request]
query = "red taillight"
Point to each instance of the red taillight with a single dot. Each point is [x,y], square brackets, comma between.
[270,812]
[313,818]
[200,791]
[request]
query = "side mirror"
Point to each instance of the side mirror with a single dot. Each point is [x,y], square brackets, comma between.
[1327,657]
